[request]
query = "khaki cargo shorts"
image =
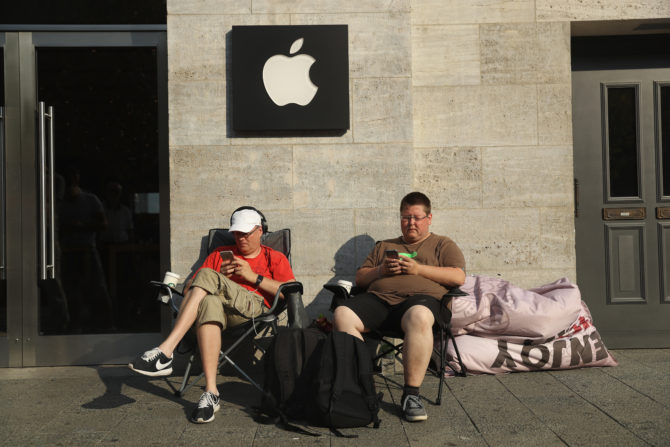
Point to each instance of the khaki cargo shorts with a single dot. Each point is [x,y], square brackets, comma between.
[226,302]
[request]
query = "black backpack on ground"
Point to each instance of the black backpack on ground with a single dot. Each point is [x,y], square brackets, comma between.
[324,380]
[291,363]
[345,390]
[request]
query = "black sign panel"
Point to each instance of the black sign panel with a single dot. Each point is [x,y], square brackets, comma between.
[290,77]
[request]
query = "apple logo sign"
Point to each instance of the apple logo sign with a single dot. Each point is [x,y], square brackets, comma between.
[290,78]
[286,79]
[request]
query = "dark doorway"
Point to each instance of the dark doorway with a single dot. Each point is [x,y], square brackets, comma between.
[106,137]
[86,196]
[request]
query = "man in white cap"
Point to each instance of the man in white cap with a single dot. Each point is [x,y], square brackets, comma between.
[222,294]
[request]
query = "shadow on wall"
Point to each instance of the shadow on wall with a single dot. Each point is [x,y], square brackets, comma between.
[347,259]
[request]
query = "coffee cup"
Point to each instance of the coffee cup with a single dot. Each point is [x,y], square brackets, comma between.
[171,279]
[344,283]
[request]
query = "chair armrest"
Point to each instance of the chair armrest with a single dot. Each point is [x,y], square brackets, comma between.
[338,290]
[289,287]
[166,294]
[178,289]
[455,291]
[285,289]
[445,312]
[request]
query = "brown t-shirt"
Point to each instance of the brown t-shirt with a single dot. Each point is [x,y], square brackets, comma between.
[434,250]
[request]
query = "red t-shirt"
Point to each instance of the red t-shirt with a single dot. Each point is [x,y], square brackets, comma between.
[269,263]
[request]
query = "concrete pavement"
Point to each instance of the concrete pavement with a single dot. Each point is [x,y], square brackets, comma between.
[628,405]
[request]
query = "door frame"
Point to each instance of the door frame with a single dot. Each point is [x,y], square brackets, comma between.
[11,349]
[24,346]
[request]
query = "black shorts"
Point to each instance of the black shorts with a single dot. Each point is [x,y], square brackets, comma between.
[377,314]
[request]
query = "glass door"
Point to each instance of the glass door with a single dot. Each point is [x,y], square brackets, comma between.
[92,146]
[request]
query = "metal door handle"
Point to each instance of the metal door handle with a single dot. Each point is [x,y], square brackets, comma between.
[3,258]
[49,266]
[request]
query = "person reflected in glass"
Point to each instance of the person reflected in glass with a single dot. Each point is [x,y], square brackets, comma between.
[81,217]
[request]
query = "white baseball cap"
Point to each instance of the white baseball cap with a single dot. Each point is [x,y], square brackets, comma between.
[245,221]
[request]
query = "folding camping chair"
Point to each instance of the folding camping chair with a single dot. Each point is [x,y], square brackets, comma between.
[263,325]
[443,332]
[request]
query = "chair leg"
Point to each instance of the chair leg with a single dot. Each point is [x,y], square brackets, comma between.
[388,348]
[187,374]
[440,372]
[241,371]
[464,371]
[444,345]
[225,358]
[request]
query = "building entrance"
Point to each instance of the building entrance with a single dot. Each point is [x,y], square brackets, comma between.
[621,123]
[84,138]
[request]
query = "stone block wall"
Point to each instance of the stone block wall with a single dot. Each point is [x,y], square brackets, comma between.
[492,134]
[492,117]
[466,101]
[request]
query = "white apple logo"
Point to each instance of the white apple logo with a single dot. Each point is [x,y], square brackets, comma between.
[286,79]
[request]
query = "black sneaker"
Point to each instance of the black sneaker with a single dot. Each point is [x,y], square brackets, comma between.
[413,409]
[207,406]
[152,363]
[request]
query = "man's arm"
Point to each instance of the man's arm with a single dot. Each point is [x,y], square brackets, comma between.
[447,276]
[367,275]
[268,285]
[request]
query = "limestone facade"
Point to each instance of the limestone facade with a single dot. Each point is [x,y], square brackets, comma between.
[469,102]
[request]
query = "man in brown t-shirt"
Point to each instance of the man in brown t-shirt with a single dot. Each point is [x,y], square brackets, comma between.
[405,280]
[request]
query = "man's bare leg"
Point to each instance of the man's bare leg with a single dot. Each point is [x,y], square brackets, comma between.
[209,341]
[188,312]
[157,362]
[346,320]
[417,324]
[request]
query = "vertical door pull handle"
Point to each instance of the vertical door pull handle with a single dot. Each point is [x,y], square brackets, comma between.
[47,199]
[52,202]
[43,193]
[3,248]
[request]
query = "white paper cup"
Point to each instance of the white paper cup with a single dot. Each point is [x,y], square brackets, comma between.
[171,279]
[344,283]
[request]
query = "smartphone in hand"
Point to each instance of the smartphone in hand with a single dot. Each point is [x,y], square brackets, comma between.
[391,254]
[226,255]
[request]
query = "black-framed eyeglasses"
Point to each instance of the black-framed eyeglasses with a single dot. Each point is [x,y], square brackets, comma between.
[408,219]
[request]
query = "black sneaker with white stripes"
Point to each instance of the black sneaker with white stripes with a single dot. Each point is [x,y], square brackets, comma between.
[152,363]
[207,406]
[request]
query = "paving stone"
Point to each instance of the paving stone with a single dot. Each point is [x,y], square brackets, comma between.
[624,405]
[499,416]
[644,417]
[652,382]
[569,416]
